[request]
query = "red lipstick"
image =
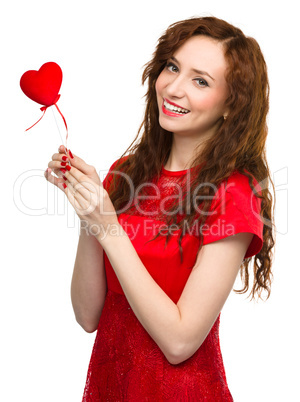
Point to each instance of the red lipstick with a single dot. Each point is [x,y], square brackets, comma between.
[172,103]
[168,112]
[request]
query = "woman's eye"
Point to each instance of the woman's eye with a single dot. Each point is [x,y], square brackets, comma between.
[171,67]
[201,82]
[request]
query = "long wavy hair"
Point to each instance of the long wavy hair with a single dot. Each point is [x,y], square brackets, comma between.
[237,145]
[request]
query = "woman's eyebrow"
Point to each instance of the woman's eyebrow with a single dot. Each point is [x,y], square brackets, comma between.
[194,69]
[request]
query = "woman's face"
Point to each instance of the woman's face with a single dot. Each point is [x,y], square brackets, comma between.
[194,81]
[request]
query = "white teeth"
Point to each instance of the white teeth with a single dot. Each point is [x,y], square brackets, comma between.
[175,108]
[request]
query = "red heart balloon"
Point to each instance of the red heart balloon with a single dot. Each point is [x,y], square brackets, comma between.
[42,86]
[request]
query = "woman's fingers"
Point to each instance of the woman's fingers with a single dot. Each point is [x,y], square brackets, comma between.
[59,161]
[83,179]
[62,149]
[81,184]
[77,162]
[80,203]
[58,182]
[80,164]
[58,172]
[77,182]
[80,198]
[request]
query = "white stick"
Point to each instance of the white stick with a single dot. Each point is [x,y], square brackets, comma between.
[58,129]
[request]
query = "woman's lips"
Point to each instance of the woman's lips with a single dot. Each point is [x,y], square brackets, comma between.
[173,113]
[172,103]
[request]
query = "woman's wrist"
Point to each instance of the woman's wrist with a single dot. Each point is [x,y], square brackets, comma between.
[110,234]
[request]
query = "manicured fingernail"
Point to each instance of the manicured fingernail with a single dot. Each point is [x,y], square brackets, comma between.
[64,158]
[64,177]
[63,163]
[64,184]
[68,167]
[71,154]
[63,170]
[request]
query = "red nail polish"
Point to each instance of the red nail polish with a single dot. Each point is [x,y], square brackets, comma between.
[63,170]
[64,185]
[63,163]
[64,177]
[68,167]
[70,153]
[64,158]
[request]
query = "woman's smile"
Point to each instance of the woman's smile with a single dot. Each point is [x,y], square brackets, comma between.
[172,109]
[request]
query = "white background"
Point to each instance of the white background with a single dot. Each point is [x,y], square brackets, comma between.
[102,47]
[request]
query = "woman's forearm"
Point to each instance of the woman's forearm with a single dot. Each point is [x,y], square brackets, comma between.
[88,287]
[158,314]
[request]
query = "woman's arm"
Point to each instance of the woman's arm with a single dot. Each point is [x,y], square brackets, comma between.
[178,330]
[88,287]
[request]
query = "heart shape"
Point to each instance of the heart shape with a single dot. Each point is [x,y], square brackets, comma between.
[42,86]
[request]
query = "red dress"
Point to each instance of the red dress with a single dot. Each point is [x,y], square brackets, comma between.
[126,364]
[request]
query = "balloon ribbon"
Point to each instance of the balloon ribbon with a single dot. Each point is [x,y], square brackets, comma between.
[44,108]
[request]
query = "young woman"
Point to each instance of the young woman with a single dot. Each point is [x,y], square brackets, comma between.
[173,223]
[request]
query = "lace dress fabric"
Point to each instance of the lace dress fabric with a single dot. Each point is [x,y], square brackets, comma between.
[126,364]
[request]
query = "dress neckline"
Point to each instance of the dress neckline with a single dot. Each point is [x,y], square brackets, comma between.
[177,172]
[173,173]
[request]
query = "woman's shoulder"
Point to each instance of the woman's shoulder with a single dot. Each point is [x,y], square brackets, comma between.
[118,162]
[242,182]
[238,188]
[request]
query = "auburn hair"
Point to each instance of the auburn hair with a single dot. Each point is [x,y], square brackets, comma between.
[238,144]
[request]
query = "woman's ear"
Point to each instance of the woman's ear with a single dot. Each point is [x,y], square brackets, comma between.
[225,114]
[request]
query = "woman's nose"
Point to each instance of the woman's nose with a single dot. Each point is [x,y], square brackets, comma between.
[176,88]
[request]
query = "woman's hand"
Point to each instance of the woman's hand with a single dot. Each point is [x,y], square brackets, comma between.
[83,187]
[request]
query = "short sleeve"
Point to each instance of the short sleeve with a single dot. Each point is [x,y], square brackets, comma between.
[109,177]
[235,209]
